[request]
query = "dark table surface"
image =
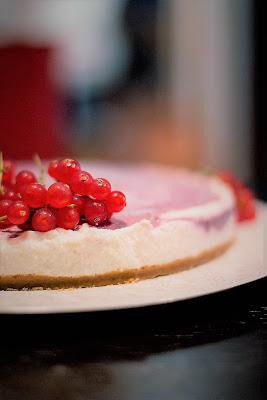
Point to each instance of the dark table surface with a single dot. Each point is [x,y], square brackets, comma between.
[212,347]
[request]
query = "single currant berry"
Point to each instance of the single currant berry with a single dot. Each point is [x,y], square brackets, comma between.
[59,195]
[18,212]
[25,177]
[8,171]
[53,169]
[68,217]
[100,189]
[4,206]
[80,182]
[79,202]
[43,220]
[67,168]
[95,212]
[34,195]
[115,202]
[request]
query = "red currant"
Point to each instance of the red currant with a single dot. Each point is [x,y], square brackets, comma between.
[79,203]
[95,212]
[43,220]
[100,188]
[8,171]
[4,206]
[80,182]
[53,169]
[67,168]
[24,177]
[68,217]
[115,201]
[59,195]
[18,212]
[34,195]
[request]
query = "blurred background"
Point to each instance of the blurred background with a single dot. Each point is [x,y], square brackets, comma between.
[179,82]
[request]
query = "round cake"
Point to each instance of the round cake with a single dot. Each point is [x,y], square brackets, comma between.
[174,219]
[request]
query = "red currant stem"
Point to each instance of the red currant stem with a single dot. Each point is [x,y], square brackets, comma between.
[3,218]
[71,205]
[38,162]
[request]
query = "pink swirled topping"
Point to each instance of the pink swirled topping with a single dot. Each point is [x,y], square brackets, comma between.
[152,191]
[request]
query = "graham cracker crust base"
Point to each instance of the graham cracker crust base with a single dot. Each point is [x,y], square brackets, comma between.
[42,282]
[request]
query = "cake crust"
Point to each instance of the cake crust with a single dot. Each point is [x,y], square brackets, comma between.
[42,282]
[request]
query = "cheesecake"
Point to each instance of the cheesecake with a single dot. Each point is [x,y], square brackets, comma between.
[174,220]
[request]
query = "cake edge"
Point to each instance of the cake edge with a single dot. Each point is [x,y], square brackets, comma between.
[44,282]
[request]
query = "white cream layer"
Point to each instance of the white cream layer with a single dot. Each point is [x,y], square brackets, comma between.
[91,251]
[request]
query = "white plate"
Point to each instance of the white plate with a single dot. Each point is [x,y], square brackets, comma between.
[243,263]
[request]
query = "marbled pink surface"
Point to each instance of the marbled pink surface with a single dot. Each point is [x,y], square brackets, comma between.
[152,191]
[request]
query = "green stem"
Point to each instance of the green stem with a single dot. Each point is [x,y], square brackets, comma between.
[38,162]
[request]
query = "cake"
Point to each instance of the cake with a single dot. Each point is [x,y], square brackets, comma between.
[174,220]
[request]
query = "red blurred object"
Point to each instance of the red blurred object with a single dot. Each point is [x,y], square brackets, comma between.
[229,179]
[8,171]
[30,116]
[245,200]
[246,209]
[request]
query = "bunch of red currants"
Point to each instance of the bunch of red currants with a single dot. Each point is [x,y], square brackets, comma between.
[75,196]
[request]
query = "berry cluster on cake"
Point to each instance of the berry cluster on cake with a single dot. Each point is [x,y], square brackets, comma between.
[77,232]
